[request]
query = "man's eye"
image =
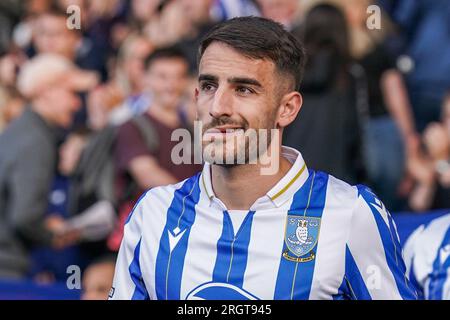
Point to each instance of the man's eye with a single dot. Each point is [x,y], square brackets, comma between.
[207,87]
[244,90]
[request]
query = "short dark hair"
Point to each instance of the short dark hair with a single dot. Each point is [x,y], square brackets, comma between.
[172,52]
[260,38]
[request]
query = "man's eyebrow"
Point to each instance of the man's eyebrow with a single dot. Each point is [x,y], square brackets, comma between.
[243,80]
[234,80]
[207,77]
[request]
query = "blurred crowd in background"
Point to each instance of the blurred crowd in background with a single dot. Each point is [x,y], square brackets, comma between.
[86,115]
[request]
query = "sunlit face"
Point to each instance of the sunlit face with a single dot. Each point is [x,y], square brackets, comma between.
[235,94]
[167,80]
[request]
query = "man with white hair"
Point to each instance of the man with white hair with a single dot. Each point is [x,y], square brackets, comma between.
[28,157]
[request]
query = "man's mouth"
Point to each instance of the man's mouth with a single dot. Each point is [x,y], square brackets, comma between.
[228,129]
[223,131]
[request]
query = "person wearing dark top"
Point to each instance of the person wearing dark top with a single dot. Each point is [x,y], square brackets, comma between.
[143,150]
[329,111]
[131,146]
[28,151]
[389,133]
[54,37]
[384,148]
[167,77]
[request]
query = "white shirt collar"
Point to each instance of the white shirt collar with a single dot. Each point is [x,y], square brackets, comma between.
[275,197]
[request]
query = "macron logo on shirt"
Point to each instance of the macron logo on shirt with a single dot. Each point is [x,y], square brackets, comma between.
[444,254]
[175,237]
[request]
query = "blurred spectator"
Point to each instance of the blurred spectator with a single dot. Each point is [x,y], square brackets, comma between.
[144,11]
[10,11]
[186,21]
[228,9]
[86,224]
[287,12]
[50,264]
[147,162]
[51,35]
[431,168]
[98,278]
[124,95]
[26,170]
[130,72]
[166,24]
[23,32]
[70,151]
[329,111]
[12,105]
[9,66]
[105,25]
[167,80]
[90,206]
[11,101]
[389,127]
[425,25]
[197,22]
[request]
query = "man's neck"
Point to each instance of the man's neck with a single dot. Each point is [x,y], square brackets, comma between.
[167,116]
[240,186]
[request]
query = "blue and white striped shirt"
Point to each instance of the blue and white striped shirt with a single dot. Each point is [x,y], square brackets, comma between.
[311,236]
[427,257]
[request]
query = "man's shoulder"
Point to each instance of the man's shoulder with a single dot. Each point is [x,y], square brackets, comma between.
[342,191]
[353,199]
[351,193]
[153,208]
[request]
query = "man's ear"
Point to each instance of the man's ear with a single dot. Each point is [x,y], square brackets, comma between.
[196,92]
[290,106]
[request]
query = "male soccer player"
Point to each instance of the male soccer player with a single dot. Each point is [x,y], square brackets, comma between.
[427,257]
[235,232]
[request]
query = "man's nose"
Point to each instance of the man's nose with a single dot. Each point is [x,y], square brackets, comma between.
[222,104]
